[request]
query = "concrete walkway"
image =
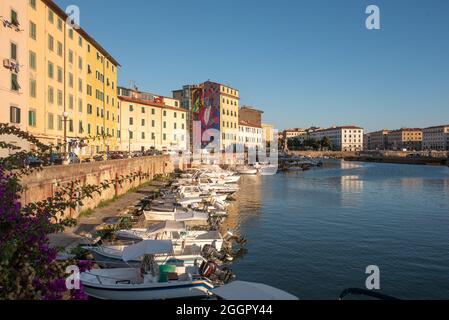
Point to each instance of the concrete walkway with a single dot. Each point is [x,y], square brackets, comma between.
[87,225]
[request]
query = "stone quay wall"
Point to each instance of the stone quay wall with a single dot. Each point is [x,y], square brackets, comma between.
[321,154]
[42,184]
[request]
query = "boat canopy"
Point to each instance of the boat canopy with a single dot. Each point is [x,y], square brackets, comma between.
[147,247]
[242,290]
[166,226]
[189,216]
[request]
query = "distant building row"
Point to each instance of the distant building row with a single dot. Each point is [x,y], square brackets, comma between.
[432,138]
[342,138]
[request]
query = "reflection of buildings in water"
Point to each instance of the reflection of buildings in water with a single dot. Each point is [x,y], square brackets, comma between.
[411,183]
[349,165]
[351,190]
[248,202]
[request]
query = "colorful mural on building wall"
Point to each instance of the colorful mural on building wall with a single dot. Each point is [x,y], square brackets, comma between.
[206,109]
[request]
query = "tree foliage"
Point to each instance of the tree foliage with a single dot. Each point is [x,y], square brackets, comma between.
[297,143]
[28,266]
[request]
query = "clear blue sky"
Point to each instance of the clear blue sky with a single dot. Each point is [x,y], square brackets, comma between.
[303,62]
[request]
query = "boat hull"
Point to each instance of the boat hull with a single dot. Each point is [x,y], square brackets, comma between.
[155,216]
[248,172]
[159,291]
[114,259]
[177,243]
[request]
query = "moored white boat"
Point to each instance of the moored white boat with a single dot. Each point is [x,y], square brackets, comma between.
[201,218]
[242,290]
[129,284]
[247,170]
[177,233]
[113,255]
[149,282]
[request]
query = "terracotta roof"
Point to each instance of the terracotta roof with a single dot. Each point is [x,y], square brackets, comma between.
[295,130]
[61,13]
[379,131]
[340,127]
[220,84]
[406,129]
[150,103]
[441,126]
[250,108]
[146,92]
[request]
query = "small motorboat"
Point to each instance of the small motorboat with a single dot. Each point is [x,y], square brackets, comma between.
[112,255]
[176,232]
[209,185]
[247,170]
[266,168]
[176,214]
[242,290]
[153,281]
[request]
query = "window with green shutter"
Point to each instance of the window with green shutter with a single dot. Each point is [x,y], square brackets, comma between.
[60,98]
[51,97]
[14,18]
[33,64]
[51,43]
[60,49]
[59,74]
[33,32]
[14,114]
[13,51]
[33,88]
[50,121]
[14,82]
[50,70]
[50,16]
[32,118]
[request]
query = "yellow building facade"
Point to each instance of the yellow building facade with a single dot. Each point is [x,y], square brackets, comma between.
[405,138]
[102,102]
[151,122]
[56,82]
[13,70]
[267,133]
[229,116]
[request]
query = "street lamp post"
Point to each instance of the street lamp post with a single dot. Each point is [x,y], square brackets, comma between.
[129,142]
[65,115]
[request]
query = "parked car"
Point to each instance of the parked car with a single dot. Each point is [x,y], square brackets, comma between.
[100,157]
[33,162]
[115,155]
[153,152]
[137,154]
[55,159]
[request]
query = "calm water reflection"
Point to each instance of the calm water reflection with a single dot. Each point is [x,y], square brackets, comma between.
[314,233]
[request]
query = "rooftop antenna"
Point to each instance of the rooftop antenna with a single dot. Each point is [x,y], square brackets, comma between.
[133,85]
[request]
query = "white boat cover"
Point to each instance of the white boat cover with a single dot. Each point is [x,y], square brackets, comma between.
[242,290]
[189,216]
[166,226]
[142,248]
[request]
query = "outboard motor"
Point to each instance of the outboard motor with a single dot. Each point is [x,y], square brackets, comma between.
[210,252]
[213,272]
[208,268]
[234,238]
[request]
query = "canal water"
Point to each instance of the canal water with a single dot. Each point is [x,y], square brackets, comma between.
[314,233]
